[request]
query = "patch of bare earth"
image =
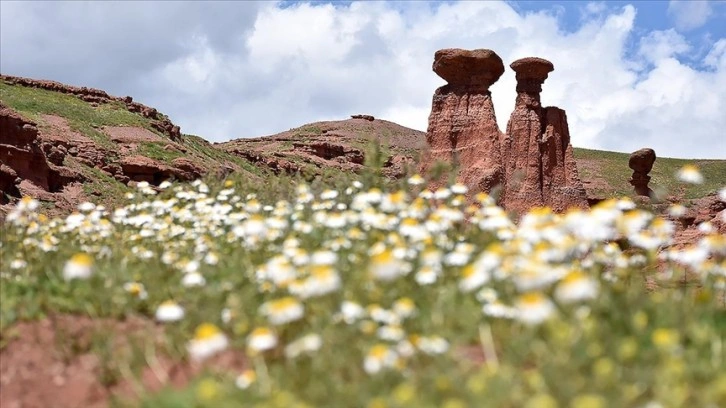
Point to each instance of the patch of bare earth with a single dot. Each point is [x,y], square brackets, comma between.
[131,134]
[53,363]
[56,129]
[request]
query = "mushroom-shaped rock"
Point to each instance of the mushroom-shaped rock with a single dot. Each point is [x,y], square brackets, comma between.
[531,73]
[641,161]
[468,67]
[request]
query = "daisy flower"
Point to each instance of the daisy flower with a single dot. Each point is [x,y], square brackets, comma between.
[136,289]
[690,174]
[472,278]
[208,340]
[416,180]
[80,266]
[385,266]
[169,311]
[306,344]
[534,308]
[284,310]
[433,345]
[351,311]
[261,339]
[379,357]
[245,379]
[404,307]
[193,279]
[575,287]
[426,276]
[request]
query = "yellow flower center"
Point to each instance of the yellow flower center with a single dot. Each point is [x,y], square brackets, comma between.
[532,298]
[206,331]
[82,259]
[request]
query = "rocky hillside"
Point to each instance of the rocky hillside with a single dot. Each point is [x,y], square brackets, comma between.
[64,145]
[342,145]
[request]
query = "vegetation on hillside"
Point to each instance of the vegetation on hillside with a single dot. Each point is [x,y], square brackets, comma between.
[612,168]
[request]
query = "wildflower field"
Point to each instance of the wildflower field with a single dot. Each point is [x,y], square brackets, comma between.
[365,296]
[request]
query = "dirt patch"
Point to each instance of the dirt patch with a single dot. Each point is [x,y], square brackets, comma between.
[131,134]
[52,363]
[58,130]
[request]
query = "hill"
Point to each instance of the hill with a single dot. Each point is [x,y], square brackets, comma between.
[64,145]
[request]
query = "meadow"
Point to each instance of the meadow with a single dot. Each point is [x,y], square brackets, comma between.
[372,295]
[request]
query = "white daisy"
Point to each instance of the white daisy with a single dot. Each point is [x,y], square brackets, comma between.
[169,311]
[284,310]
[80,266]
[306,344]
[575,287]
[690,174]
[261,339]
[378,358]
[245,379]
[534,308]
[208,340]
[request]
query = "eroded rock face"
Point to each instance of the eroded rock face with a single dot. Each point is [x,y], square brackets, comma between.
[641,162]
[22,156]
[540,168]
[532,162]
[463,127]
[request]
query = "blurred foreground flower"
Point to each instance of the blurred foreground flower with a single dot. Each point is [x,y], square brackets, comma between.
[261,339]
[247,378]
[169,311]
[690,174]
[80,266]
[136,289]
[534,308]
[208,340]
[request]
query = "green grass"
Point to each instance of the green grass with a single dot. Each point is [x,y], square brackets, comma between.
[81,116]
[612,168]
[156,151]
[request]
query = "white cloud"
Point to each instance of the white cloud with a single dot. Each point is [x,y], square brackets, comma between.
[267,69]
[689,14]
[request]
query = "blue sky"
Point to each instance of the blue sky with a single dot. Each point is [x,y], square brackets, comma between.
[651,15]
[630,74]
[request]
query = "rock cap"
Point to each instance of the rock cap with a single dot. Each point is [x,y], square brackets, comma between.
[480,67]
[642,160]
[532,68]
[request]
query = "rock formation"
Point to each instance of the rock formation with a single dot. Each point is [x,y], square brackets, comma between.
[540,167]
[462,127]
[641,161]
[532,163]
[23,157]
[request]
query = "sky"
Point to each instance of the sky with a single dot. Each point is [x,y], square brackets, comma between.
[629,74]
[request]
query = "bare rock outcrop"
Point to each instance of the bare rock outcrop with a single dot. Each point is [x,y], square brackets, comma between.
[641,162]
[141,168]
[532,162]
[462,127]
[22,157]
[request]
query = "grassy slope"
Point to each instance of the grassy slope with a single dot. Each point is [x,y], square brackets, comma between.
[611,172]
